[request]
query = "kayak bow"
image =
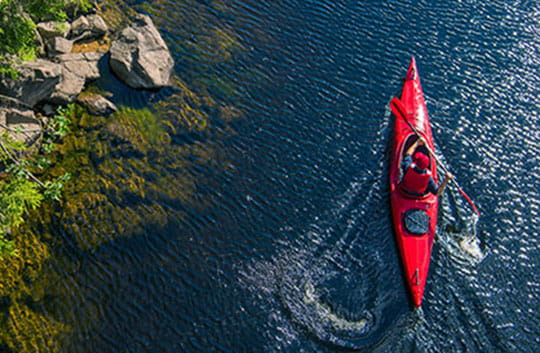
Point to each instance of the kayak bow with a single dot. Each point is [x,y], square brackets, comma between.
[414,217]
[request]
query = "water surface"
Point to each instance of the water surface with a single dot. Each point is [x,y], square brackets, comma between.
[246,208]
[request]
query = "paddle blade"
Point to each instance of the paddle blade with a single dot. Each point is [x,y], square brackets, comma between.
[397,108]
[469,201]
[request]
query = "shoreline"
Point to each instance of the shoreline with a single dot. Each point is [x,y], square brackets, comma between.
[35,102]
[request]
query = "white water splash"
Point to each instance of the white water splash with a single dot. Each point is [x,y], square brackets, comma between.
[326,313]
[465,247]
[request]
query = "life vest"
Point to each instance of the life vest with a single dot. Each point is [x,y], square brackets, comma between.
[414,182]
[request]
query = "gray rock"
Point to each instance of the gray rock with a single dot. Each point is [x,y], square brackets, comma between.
[59,45]
[77,69]
[97,104]
[21,124]
[53,29]
[58,83]
[70,86]
[36,82]
[82,64]
[140,57]
[86,27]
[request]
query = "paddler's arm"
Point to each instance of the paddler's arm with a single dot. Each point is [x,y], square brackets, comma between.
[441,188]
[419,141]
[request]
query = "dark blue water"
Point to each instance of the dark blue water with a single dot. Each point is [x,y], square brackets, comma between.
[263,223]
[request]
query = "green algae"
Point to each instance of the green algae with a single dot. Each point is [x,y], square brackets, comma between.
[121,165]
[127,174]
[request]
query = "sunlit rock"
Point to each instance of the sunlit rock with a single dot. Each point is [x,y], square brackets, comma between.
[86,27]
[53,29]
[140,57]
[96,104]
[77,69]
[59,45]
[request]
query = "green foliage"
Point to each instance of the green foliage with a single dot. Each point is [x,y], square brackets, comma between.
[18,35]
[17,196]
[82,5]
[22,191]
[53,188]
[7,247]
[6,68]
[18,20]
[52,10]
[61,122]
[59,126]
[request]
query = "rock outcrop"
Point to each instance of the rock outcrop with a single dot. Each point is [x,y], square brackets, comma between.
[59,45]
[57,82]
[140,57]
[77,69]
[36,82]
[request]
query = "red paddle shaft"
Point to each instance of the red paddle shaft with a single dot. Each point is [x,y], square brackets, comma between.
[397,108]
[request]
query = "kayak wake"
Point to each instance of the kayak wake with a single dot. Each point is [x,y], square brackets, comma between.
[335,290]
[331,281]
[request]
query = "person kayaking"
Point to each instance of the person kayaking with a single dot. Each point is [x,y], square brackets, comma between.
[417,179]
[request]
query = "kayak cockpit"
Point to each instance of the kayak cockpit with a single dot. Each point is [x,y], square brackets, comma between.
[408,142]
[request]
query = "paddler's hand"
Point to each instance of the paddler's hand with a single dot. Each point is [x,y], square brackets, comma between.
[422,140]
[449,176]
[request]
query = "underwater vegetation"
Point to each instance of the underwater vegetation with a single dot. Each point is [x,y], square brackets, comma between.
[130,171]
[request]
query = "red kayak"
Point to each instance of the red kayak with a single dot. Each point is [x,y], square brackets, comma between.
[414,216]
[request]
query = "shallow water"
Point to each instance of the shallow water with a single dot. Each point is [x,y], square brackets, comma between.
[256,217]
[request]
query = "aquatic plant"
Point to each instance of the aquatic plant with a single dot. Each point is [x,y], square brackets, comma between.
[133,171]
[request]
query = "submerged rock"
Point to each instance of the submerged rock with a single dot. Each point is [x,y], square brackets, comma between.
[36,82]
[140,57]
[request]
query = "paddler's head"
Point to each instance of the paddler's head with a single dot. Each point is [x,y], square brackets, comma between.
[421,160]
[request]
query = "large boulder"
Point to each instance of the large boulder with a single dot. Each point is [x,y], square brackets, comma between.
[21,124]
[36,82]
[140,57]
[77,69]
